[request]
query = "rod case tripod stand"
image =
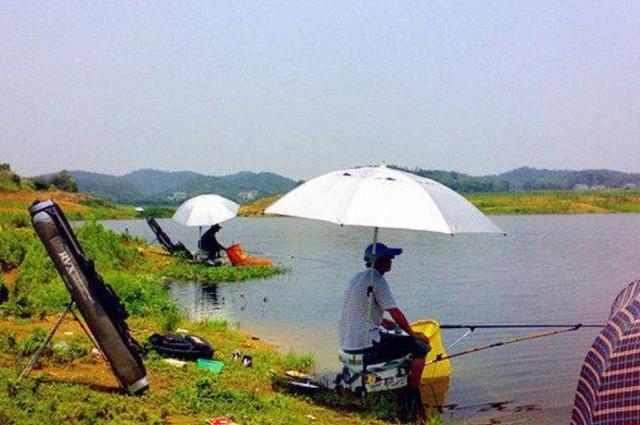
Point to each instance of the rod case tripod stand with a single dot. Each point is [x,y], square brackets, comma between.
[97,303]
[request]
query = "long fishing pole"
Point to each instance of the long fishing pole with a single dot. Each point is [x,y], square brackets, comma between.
[508,341]
[520,326]
[294,257]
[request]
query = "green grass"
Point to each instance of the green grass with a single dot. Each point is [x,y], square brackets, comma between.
[40,400]
[14,243]
[39,289]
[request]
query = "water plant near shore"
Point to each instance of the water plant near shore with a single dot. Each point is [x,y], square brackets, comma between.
[183,271]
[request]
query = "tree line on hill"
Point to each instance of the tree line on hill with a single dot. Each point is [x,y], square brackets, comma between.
[10,181]
[154,187]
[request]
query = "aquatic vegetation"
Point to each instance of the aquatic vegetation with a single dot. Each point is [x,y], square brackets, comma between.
[184,271]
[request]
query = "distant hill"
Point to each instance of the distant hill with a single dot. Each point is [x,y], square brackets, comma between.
[527,179]
[154,187]
[146,187]
[155,182]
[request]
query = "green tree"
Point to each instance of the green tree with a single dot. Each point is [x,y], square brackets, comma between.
[63,181]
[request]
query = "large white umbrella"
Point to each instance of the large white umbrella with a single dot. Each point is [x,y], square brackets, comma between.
[205,210]
[383,197]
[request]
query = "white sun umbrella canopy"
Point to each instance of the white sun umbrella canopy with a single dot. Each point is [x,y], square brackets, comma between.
[205,210]
[383,197]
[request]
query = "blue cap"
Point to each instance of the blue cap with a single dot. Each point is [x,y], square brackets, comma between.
[382,251]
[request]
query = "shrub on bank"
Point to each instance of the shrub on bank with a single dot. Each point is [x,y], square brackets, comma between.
[14,243]
[4,291]
[145,296]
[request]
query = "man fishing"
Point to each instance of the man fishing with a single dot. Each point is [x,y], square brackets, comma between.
[361,317]
[209,243]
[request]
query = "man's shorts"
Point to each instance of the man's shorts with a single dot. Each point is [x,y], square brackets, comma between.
[391,347]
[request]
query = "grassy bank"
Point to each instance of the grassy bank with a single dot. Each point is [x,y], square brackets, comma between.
[77,206]
[71,384]
[558,202]
[257,207]
[548,202]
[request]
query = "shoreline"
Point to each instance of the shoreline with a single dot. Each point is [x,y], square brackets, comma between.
[71,384]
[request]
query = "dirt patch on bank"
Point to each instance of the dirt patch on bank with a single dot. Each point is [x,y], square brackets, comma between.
[17,201]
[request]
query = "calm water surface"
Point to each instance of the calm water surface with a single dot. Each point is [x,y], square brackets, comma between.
[549,269]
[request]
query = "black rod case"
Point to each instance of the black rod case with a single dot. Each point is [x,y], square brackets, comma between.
[98,304]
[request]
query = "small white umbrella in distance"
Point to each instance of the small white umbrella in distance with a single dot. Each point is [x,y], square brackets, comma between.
[383,197]
[205,210]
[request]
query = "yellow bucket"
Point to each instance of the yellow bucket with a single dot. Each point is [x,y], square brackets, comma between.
[431,329]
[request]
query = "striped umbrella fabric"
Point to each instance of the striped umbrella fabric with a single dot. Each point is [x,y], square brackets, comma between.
[608,390]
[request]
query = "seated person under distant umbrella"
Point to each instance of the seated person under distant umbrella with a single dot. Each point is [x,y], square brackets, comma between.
[210,244]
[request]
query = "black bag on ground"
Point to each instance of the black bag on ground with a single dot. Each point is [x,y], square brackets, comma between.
[181,347]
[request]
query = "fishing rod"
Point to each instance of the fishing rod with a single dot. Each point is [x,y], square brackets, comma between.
[507,341]
[520,326]
[294,257]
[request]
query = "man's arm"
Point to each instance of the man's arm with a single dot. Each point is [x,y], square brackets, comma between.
[402,321]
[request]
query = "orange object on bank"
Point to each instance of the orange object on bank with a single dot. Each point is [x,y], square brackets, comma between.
[237,257]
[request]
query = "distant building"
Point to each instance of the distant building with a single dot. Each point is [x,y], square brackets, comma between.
[248,196]
[177,196]
[587,188]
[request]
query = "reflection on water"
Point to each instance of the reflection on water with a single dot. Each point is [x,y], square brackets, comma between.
[550,269]
[210,301]
[199,302]
[434,393]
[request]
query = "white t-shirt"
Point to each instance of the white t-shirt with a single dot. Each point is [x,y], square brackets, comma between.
[356,332]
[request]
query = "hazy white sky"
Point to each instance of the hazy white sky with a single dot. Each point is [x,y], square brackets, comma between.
[301,88]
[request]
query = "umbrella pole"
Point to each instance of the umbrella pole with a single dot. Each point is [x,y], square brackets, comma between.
[370,303]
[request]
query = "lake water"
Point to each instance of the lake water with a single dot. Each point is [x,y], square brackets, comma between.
[549,269]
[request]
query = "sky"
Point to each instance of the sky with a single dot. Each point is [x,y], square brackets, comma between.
[301,88]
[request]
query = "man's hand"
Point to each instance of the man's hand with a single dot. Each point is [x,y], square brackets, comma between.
[401,320]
